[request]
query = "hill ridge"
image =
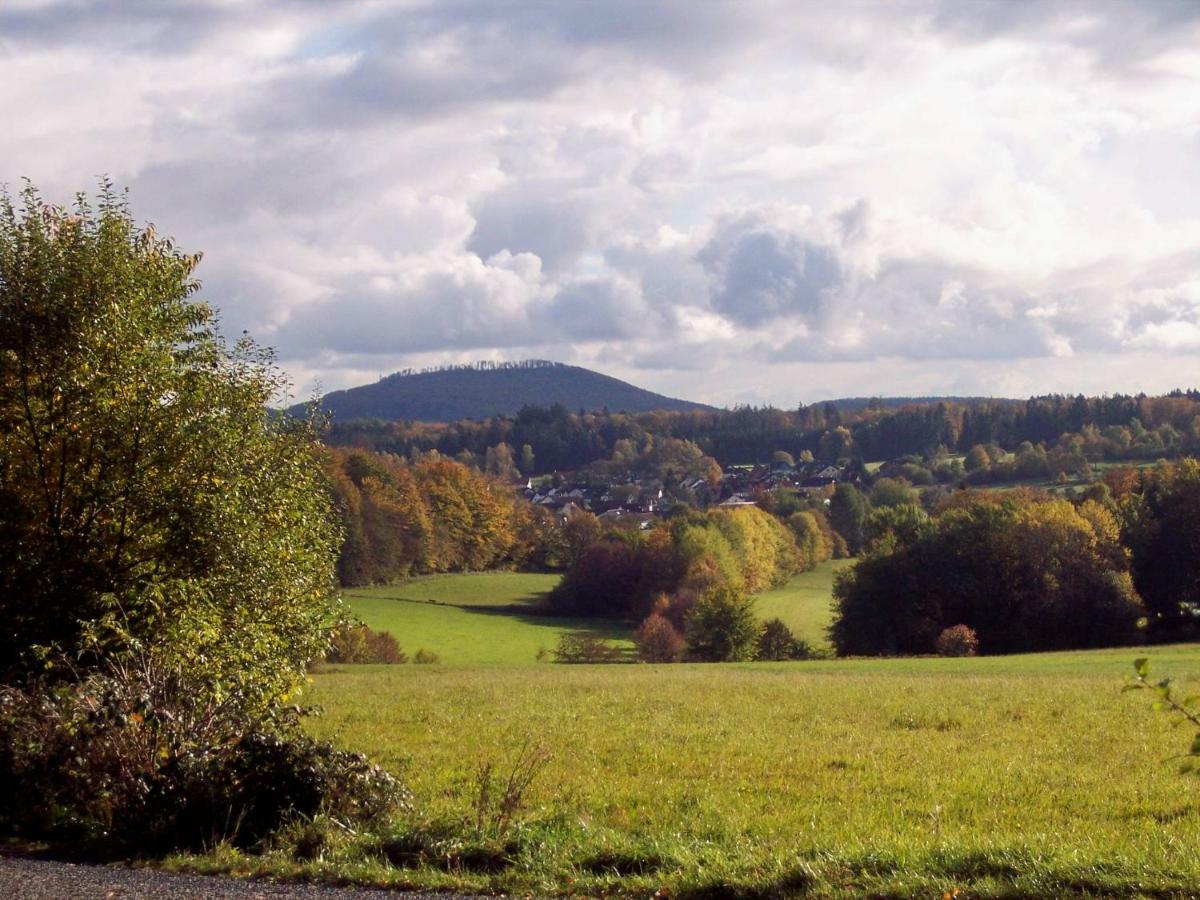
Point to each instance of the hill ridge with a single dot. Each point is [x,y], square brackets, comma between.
[483,390]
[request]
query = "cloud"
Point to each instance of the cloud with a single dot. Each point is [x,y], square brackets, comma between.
[724,200]
[408,307]
[762,273]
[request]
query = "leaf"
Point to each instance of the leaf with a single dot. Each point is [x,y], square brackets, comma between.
[1142,666]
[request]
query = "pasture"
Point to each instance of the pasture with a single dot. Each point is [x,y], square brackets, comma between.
[493,618]
[1003,776]
[488,618]
[803,604]
[1016,776]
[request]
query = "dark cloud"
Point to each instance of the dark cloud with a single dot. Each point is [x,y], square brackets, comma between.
[600,309]
[125,24]
[523,218]
[468,306]
[761,272]
[1120,33]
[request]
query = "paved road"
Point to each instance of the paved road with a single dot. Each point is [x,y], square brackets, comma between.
[26,878]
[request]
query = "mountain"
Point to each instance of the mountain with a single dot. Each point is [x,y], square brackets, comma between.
[487,389]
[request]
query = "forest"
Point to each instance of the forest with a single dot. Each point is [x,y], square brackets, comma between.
[1103,428]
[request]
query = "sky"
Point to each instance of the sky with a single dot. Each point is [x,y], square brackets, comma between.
[745,202]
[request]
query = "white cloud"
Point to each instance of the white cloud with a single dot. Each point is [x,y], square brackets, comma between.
[731,202]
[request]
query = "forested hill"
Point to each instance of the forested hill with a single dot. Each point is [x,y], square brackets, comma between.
[484,390]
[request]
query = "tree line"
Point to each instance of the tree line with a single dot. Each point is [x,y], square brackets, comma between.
[561,439]
[1028,571]
[400,520]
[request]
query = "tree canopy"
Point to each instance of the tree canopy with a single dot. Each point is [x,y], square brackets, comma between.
[1163,532]
[147,499]
[1026,571]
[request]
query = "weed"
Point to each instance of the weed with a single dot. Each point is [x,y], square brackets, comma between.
[499,798]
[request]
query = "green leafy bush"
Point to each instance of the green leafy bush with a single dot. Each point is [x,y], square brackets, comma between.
[168,572]
[721,626]
[777,642]
[146,500]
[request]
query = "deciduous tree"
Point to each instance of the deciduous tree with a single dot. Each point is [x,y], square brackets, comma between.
[147,500]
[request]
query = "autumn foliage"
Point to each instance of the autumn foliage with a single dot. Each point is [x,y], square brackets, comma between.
[957,640]
[438,515]
[658,641]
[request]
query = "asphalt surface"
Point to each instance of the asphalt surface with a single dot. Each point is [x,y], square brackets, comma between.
[28,878]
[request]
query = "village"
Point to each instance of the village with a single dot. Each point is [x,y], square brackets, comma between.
[636,502]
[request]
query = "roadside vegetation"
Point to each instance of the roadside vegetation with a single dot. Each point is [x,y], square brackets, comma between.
[168,556]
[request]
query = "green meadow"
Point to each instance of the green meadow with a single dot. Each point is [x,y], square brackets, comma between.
[488,618]
[494,618]
[1026,776]
[1017,776]
[803,604]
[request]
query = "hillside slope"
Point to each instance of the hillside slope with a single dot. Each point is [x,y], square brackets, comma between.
[478,392]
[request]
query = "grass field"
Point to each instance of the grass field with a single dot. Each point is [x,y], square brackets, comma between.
[804,602]
[488,618]
[1018,776]
[1007,776]
[470,589]
[492,618]
[1001,776]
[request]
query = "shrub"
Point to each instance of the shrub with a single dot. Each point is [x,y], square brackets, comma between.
[201,523]
[721,626]
[426,657]
[957,640]
[136,758]
[658,641]
[776,642]
[359,644]
[169,572]
[264,782]
[585,648]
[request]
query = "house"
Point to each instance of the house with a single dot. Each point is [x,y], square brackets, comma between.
[736,500]
[626,519]
[822,475]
